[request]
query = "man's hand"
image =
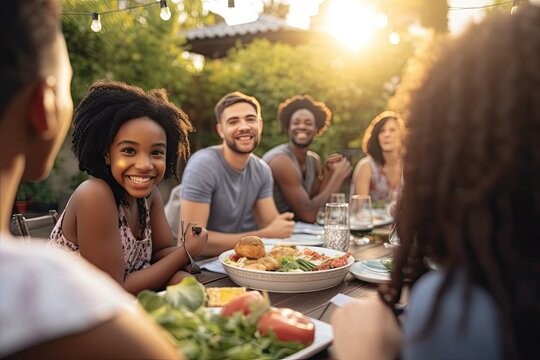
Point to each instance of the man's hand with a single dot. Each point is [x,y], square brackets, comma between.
[340,168]
[335,157]
[281,227]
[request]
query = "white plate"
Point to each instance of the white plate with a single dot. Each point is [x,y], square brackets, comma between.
[288,282]
[324,335]
[296,239]
[363,270]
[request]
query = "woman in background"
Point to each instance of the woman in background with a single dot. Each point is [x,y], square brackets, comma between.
[379,173]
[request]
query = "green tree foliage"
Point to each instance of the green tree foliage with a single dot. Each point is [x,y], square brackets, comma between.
[134,46]
[351,84]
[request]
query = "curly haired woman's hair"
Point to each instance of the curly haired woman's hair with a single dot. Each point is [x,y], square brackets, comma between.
[370,140]
[108,105]
[320,111]
[471,199]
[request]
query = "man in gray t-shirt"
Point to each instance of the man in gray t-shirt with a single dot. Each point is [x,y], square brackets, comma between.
[226,188]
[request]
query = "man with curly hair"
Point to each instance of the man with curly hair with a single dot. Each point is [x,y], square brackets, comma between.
[301,184]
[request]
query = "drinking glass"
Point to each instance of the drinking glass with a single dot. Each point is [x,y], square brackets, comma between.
[336,226]
[361,218]
[337,198]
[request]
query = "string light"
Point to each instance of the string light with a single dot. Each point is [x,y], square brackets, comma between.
[515,5]
[381,20]
[165,13]
[96,23]
[394,38]
[479,7]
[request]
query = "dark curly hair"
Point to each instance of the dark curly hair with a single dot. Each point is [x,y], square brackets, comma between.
[108,105]
[370,140]
[471,198]
[321,112]
[27,31]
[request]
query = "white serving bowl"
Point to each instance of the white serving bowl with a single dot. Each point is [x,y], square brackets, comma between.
[288,282]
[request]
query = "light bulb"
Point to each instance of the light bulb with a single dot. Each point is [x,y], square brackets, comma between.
[96,23]
[515,5]
[381,20]
[394,38]
[165,12]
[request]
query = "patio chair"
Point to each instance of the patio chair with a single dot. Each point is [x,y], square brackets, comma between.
[21,226]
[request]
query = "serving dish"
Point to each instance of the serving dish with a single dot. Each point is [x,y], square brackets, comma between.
[288,282]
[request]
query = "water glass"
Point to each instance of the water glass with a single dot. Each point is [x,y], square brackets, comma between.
[336,226]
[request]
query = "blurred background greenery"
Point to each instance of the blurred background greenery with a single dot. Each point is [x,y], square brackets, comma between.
[137,47]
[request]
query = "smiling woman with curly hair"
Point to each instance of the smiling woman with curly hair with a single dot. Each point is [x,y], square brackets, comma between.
[128,140]
[470,206]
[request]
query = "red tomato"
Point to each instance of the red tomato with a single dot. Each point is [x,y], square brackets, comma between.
[241,303]
[234,257]
[288,325]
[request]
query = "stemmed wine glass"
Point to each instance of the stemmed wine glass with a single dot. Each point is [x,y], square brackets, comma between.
[361,218]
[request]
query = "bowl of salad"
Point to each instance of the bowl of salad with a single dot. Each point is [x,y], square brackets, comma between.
[288,268]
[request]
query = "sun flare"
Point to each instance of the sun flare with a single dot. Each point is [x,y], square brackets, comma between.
[351,23]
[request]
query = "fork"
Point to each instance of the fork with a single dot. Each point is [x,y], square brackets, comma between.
[193,267]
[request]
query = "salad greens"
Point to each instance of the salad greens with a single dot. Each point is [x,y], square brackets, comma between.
[202,334]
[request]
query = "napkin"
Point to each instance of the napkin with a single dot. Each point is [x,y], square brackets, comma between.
[341,300]
[214,266]
[305,228]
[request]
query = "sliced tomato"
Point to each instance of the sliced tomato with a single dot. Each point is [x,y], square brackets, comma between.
[241,303]
[288,325]
[234,257]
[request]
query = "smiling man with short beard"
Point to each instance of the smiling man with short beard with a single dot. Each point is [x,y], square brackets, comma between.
[302,184]
[226,188]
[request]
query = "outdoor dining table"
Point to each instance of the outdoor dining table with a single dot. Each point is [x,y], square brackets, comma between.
[313,304]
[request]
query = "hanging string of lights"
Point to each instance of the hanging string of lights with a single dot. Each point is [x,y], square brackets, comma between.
[95,25]
[165,12]
[513,2]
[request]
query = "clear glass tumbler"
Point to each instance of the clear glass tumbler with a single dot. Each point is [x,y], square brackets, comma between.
[336,226]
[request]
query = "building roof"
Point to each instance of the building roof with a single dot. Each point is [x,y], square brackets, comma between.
[214,41]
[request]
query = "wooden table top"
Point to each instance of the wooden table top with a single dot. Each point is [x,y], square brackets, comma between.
[312,303]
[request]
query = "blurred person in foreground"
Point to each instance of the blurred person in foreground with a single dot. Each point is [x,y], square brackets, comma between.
[301,184]
[52,304]
[470,205]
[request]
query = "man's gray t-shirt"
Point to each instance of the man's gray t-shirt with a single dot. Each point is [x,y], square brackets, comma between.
[231,193]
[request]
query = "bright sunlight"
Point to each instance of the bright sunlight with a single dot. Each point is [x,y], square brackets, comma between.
[351,23]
